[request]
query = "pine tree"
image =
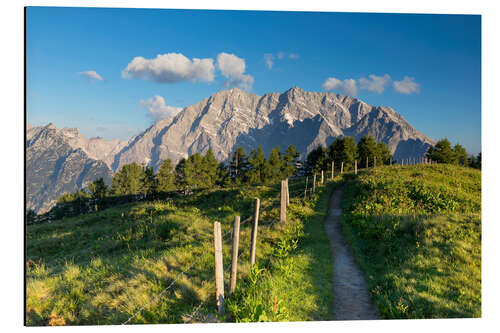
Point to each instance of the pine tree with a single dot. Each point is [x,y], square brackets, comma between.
[239,166]
[209,168]
[383,153]
[180,177]
[166,177]
[257,166]
[316,160]
[442,152]
[289,161]
[275,165]
[97,189]
[128,180]
[223,175]
[149,182]
[367,148]
[343,149]
[193,172]
[460,155]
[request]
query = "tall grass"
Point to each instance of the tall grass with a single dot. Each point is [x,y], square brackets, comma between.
[102,267]
[416,232]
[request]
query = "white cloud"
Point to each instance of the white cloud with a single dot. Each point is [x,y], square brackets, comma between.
[347,86]
[91,76]
[233,68]
[374,83]
[157,109]
[407,86]
[170,68]
[269,59]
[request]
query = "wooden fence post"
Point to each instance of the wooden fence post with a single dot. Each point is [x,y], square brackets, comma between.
[255,225]
[283,202]
[355,167]
[366,162]
[314,184]
[219,271]
[322,178]
[305,191]
[374,161]
[342,167]
[333,168]
[287,193]
[234,259]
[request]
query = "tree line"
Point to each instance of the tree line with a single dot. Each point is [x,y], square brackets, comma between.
[443,152]
[135,182]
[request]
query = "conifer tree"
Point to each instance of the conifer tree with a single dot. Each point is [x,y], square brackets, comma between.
[209,168]
[460,155]
[257,166]
[97,189]
[128,180]
[166,177]
[149,182]
[275,165]
[238,167]
[289,161]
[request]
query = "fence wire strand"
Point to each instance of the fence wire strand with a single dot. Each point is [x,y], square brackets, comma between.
[265,208]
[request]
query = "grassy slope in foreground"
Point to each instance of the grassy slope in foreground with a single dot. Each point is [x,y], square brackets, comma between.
[416,232]
[100,268]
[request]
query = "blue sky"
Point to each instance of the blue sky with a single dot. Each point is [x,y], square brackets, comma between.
[81,73]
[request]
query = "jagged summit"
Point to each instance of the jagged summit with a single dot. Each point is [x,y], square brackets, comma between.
[231,118]
[222,122]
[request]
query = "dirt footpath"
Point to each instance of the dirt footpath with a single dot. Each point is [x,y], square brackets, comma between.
[351,297]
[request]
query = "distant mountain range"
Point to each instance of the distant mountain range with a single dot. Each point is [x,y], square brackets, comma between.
[223,121]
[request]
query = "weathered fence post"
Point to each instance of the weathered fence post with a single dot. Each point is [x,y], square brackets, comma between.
[342,167]
[283,202]
[333,168]
[287,193]
[314,184]
[234,259]
[355,167]
[374,161]
[255,225]
[305,191]
[219,272]
[366,162]
[322,178]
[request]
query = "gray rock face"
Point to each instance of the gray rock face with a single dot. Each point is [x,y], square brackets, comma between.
[54,167]
[59,161]
[234,118]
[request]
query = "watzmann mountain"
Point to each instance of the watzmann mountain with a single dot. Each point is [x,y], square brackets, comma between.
[233,118]
[59,161]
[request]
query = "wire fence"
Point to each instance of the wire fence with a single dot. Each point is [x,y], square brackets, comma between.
[267,206]
[296,187]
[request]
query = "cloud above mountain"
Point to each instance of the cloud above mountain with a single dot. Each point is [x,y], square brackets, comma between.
[91,76]
[406,86]
[270,58]
[170,68]
[233,69]
[157,108]
[347,86]
[375,83]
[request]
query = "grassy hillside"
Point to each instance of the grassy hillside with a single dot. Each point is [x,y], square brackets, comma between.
[416,232]
[101,268]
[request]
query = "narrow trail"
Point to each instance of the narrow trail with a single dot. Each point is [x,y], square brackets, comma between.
[351,300]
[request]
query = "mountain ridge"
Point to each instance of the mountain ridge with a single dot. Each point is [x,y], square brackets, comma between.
[222,122]
[232,117]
